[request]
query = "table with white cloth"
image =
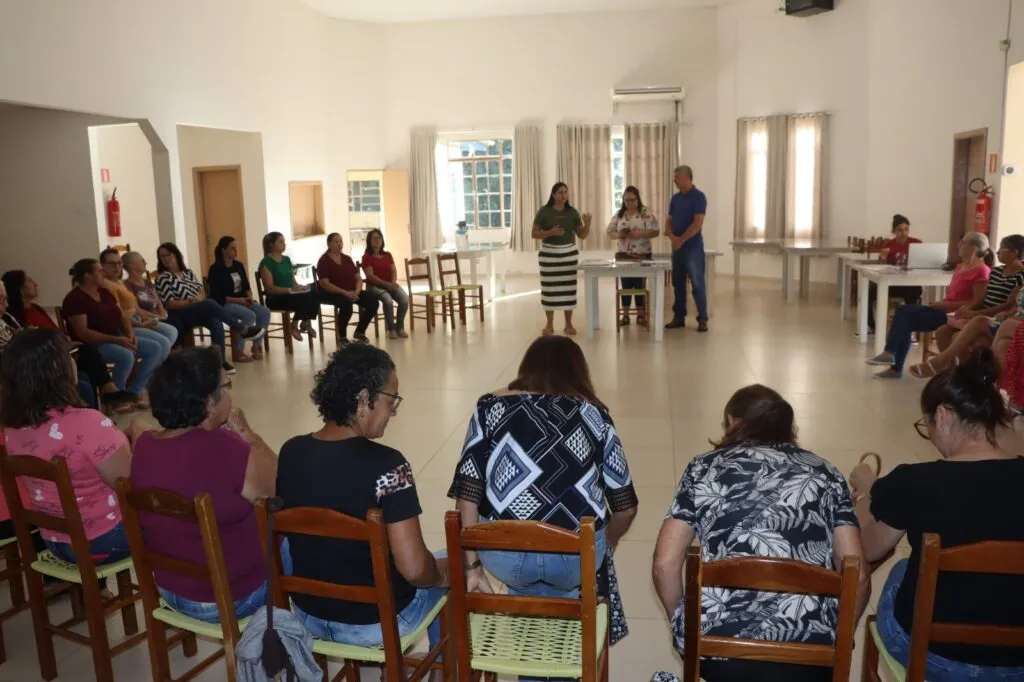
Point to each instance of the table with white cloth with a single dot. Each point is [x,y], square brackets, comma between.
[885,276]
[474,253]
[651,270]
[803,249]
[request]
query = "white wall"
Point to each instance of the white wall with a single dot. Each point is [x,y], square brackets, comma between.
[1011,203]
[126,153]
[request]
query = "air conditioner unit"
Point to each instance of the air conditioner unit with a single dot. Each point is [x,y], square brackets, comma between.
[651,93]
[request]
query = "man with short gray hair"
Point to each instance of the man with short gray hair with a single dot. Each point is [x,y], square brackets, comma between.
[683,227]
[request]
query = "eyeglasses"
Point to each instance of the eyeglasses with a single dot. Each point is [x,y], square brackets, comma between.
[395,398]
[921,426]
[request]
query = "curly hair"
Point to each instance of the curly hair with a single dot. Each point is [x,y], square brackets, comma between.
[180,389]
[37,376]
[353,368]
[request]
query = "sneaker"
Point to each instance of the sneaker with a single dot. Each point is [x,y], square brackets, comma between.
[392,334]
[676,324]
[882,360]
[361,338]
[402,334]
[702,326]
[253,333]
[228,367]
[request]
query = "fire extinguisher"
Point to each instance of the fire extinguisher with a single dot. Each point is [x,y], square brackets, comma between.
[983,205]
[114,216]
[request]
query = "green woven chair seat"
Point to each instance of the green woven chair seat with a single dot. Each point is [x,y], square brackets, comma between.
[176,619]
[433,293]
[8,542]
[350,652]
[896,670]
[465,287]
[531,647]
[48,564]
[632,292]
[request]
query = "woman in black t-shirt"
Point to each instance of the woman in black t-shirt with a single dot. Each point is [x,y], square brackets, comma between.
[229,286]
[970,495]
[342,467]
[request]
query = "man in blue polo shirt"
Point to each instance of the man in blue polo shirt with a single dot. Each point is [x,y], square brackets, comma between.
[683,229]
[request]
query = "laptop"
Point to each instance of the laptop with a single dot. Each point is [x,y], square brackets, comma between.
[927,256]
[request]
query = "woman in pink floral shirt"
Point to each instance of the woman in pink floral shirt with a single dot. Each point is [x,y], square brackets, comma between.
[634,226]
[43,416]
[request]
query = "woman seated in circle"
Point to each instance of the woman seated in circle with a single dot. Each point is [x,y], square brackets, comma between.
[94,317]
[189,307]
[146,324]
[282,292]
[965,292]
[342,467]
[758,493]
[971,494]
[382,278]
[229,286]
[139,283]
[576,449]
[1000,312]
[18,296]
[42,416]
[205,445]
[894,252]
[341,286]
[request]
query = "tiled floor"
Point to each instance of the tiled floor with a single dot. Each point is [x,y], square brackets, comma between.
[666,400]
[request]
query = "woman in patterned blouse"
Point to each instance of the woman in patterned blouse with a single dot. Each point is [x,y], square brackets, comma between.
[544,449]
[635,227]
[759,494]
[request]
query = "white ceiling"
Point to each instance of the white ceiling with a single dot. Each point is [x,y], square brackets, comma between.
[392,11]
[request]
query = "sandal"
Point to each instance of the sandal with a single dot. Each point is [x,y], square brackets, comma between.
[925,370]
[243,357]
[548,331]
[570,331]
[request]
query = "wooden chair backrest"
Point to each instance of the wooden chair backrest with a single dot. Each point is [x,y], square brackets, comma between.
[413,274]
[199,511]
[1003,558]
[452,261]
[62,323]
[121,248]
[530,536]
[14,467]
[874,245]
[259,287]
[769,575]
[328,523]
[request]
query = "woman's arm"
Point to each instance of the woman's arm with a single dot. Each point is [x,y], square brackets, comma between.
[652,230]
[539,232]
[80,330]
[412,558]
[667,567]
[118,465]
[618,525]
[268,283]
[846,542]
[1009,304]
[476,579]
[583,229]
[372,278]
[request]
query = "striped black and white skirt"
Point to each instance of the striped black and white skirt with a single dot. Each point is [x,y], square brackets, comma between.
[558,276]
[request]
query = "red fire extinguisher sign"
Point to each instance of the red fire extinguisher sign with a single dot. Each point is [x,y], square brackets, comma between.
[114,216]
[982,205]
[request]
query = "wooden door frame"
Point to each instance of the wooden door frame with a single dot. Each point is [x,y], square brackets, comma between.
[197,198]
[954,219]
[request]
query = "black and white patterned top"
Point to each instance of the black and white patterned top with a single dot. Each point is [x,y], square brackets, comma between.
[180,287]
[773,501]
[999,287]
[544,458]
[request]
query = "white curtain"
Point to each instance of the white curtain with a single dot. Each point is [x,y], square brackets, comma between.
[426,220]
[775,194]
[585,164]
[527,193]
[651,154]
[805,178]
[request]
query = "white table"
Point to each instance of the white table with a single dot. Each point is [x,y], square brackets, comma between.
[474,253]
[804,249]
[594,270]
[710,255]
[844,277]
[885,276]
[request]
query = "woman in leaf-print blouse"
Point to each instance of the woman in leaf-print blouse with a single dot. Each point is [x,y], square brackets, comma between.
[759,494]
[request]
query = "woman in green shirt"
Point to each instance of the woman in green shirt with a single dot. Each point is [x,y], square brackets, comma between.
[282,293]
[558,225]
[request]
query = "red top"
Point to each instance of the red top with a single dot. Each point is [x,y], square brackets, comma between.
[961,287]
[382,265]
[37,317]
[344,274]
[898,252]
[103,316]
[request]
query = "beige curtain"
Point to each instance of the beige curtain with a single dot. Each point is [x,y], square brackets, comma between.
[760,202]
[585,164]
[805,178]
[527,193]
[426,219]
[652,153]
[775,186]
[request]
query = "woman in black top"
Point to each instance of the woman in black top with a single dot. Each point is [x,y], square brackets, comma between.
[342,467]
[229,286]
[970,495]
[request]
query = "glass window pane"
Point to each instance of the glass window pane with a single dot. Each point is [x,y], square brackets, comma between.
[492,147]
[508,201]
[479,148]
[617,164]
[467,185]
[481,168]
[470,203]
[494,200]
[507,183]
[506,166]
[496,219]
[485,220]
[494,184]
[506,147]
[619,183]
[466,149]
[508,218]
[355,204]
[467,169]
[618,144]
[492,168]
[372,184]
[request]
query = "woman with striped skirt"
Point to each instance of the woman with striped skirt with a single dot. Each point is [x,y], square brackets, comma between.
[558,225]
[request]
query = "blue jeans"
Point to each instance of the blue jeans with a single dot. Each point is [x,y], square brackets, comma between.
[108,548]
[256,316]
[907,320]
[388,299]
[688,264]
[164,334]
[207,611]
[540,574]
[149,351]
[938,669]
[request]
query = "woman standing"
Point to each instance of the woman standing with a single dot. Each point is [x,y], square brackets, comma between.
[382,277]
[894,252]
[635,227]
[282,292]
[341,286]
[558,225]
[229,286]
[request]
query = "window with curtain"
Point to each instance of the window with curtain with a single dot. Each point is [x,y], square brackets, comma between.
[475,183]
[804,185]
[618,178]
[757,178]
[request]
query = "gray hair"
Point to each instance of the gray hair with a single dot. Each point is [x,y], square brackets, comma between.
[979,242]
[129,257]
[685,170]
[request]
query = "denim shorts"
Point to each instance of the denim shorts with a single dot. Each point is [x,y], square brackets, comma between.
[207,611]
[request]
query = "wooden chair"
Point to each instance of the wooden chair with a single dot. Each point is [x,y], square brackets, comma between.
[12,574]
[473,292]
[1003,558]
[501,634]
[331,325]
[642,315]
[81,578]
[393,656]
[200,512]
[417,270]
[769,575]
[284,328]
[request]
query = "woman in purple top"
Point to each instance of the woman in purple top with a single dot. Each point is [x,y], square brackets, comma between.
[205,446]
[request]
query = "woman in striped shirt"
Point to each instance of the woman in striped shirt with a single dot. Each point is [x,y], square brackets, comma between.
[558,225]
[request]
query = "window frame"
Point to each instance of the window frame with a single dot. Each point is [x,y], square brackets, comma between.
[504,192]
